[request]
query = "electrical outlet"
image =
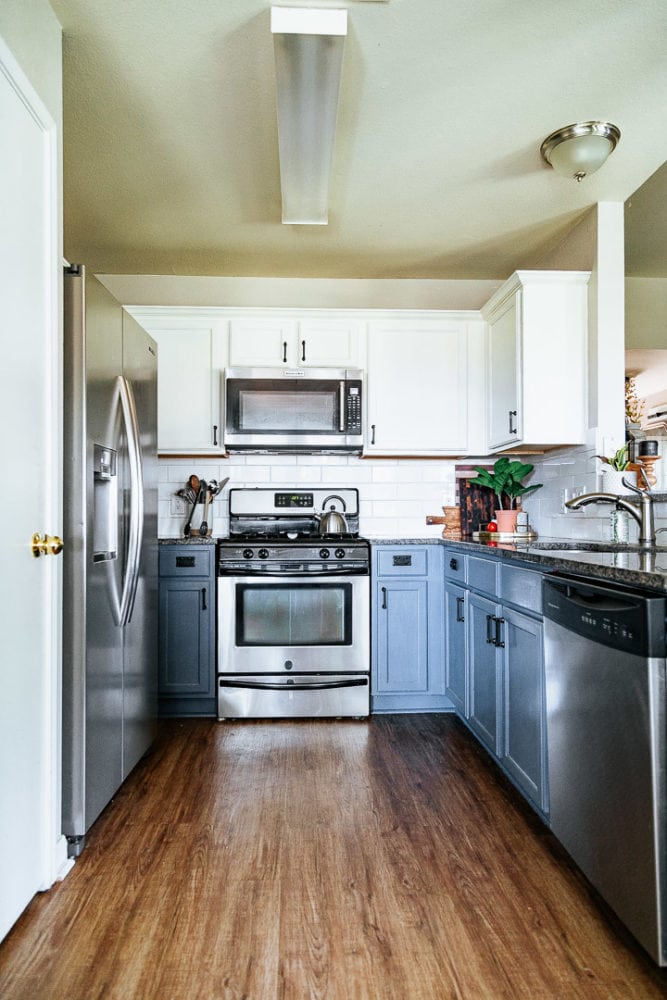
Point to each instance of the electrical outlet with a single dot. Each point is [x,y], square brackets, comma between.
[177,507]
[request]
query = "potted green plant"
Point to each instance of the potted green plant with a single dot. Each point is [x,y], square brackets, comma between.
[506,482]
[614,468]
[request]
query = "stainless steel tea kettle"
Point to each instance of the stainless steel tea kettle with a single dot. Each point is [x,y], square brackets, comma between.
[332,521]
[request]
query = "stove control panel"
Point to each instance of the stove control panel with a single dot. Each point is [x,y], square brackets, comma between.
[292,500]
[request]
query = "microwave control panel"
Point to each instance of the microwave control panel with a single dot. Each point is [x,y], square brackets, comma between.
[353,410]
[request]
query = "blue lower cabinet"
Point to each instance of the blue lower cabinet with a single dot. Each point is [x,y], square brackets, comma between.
[456,647]
[186,673]
[524,742]
[485,671]
[407,629]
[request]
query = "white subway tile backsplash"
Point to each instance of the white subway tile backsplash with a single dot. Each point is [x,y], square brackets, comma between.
[346,475]
[397,494]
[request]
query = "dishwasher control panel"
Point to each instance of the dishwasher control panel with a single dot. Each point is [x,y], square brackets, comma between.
[625,619]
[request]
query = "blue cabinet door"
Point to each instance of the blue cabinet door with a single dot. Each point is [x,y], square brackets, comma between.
[524,751]
[402,664]
[185,612]
[187,607]
[456,652]
[407,620]
[484,665]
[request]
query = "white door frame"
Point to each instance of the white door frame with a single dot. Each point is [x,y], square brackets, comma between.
[53,846]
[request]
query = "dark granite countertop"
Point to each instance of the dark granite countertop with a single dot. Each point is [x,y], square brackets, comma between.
[625,564]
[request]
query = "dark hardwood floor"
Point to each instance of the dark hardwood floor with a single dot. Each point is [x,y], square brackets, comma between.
[380,860]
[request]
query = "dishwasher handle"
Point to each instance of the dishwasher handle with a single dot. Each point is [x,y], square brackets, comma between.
[598,602]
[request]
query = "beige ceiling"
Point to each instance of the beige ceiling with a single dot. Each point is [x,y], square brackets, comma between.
[171,152]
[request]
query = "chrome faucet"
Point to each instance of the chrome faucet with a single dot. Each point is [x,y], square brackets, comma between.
[642,511]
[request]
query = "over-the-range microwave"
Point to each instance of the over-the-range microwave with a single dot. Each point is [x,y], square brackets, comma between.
[312,410]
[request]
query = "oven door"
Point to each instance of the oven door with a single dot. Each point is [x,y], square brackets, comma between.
[293,624]
[293,646]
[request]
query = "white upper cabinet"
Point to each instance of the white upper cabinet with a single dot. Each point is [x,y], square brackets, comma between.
[192,348]
[262,341]
[537,349]
[417,388]
[315,342]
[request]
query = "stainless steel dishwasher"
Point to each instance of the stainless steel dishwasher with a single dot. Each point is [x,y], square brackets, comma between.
[607,751]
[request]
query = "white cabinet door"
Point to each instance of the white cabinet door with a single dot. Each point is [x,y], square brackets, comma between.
[308,342]
[330,343]
[504,406]
[417,388]
[262,342]
[538,342]
[191,359]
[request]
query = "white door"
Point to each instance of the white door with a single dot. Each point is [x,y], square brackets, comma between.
[29,500]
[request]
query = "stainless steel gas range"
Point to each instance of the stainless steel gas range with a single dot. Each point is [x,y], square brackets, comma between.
[293,606]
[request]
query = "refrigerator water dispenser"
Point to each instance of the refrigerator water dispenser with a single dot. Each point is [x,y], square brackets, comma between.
[105,515]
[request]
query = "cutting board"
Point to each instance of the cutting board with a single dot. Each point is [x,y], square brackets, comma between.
[477,503]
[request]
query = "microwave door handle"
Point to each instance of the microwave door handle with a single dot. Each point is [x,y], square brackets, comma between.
[341,406]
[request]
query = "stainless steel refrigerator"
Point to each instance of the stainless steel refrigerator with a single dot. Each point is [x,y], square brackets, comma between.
[110,555]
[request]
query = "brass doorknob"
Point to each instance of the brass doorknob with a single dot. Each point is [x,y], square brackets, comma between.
[47,545]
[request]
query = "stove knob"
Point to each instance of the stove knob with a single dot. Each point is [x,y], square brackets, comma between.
[340,553]
[324,553]
[263,553]
[248,553]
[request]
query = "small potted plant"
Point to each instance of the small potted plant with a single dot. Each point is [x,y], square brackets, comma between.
[506,482]
[615,468]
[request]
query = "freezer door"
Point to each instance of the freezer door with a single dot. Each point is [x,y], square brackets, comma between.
[140,630]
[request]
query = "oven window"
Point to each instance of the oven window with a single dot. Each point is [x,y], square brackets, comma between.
[284,614]
[287,411]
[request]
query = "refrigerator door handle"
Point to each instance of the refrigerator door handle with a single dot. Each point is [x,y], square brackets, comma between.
[136,527]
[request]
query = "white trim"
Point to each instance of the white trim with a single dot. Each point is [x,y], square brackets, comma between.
[176,316]
[52,862]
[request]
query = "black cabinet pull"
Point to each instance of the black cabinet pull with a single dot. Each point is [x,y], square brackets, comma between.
[303,350]
[460,602]
[215,434]
[497,639]
[490,634]
[372,433]
[453,564]
[204,605]
[384,598]
[284,351]
[512,413]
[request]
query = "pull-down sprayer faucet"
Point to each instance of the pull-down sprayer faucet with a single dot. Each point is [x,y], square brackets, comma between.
[642,511]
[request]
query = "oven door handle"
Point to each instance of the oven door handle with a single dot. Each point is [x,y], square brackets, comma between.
[283,686]
[302,575]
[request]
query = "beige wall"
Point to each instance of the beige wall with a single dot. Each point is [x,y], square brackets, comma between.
[295,293]
[645,313]
[32,32]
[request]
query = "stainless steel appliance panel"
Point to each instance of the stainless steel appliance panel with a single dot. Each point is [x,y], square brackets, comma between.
[606,745]
[293,409]
[140,633]
[327,616]
[106,537]
[303,696]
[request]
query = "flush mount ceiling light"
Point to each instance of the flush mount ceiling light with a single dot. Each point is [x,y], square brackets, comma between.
[580,149]
[308,49]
